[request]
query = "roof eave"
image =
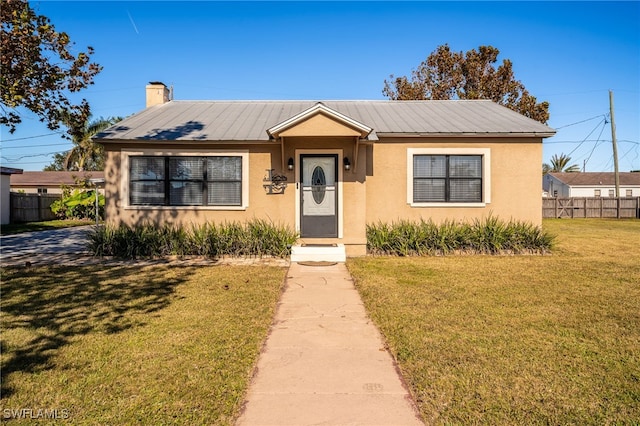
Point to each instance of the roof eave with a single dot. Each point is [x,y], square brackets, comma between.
[184,141]
[10,171]
[467,134]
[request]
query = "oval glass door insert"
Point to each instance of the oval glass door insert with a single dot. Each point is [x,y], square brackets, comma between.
[318,184]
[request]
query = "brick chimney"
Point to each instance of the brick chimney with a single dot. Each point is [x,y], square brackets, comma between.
[157,93]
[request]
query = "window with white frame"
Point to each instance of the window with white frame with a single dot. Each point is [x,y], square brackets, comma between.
[612,193]
[629,192]
[185,180]
[448,176]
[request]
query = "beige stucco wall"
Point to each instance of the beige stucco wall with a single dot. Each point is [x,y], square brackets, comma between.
[319,125]
[515,180]
[278,208]
[375,190]
[261,205]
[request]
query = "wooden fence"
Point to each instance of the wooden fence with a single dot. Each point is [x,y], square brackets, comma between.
[601,207]
[32,207]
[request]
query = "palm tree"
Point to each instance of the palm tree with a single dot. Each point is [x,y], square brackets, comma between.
[559,163]
[87,155]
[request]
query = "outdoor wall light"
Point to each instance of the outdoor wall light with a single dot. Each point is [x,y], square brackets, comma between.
[347,163]
[290,164]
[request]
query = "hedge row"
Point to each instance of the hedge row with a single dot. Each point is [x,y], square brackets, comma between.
[262,238]
[254,238]
[487,236]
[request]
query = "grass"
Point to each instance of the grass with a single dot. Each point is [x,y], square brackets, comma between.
[125,345]
[17,228]
[551,339]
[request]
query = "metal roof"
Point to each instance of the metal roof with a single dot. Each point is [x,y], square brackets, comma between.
[596,178]
[249,120]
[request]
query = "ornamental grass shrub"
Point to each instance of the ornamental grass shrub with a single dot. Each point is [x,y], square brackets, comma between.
[253,238]
[489,235]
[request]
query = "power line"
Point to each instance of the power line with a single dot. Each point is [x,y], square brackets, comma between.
[594,148]
[628,151]
[582,121]
[594,129]
[32,137]
[35,146]
[13,160]
[591,140]
[25,162]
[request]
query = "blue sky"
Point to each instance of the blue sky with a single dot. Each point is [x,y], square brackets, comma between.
[567,53]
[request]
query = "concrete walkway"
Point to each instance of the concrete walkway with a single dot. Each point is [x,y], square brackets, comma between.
[324,362]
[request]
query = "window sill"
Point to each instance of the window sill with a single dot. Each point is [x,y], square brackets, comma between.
[470,205]
[186,208]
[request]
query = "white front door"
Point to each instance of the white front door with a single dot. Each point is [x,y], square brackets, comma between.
[319,196]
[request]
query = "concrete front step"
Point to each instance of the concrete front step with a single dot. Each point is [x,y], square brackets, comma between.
[318,253]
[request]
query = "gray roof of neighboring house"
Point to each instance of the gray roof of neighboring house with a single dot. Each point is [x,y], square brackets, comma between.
[50,178]
[9,170]
[597,178]
[249,120]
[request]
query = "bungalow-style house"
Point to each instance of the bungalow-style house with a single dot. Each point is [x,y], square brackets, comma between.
[51,182]
[591,184]
[326,169]
[5,192]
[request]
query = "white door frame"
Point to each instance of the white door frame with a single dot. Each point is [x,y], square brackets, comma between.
[337,152]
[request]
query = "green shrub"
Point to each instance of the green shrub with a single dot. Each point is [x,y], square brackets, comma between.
[254,238]
[78,204]
[485,236]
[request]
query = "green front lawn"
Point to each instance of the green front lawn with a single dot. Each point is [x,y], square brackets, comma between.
[551,339]
[126,345]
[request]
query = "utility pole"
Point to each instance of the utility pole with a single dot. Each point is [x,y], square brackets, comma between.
[615,146]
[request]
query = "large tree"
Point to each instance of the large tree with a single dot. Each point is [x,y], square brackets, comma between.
[86,155]
[472,75]
[39,72]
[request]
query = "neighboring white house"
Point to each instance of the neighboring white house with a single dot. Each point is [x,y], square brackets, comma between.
[5,193]
[591,184]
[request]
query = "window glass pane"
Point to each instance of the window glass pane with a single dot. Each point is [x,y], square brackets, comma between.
[186,168]
[147,168]
[429,166]
[185,193]
[465,166]
[224,168]
[428,190]
[225,193]
[147,192]
[465,190]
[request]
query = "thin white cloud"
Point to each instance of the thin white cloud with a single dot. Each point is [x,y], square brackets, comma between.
[133,23]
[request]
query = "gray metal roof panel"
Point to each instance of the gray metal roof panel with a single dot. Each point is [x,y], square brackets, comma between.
[249,120]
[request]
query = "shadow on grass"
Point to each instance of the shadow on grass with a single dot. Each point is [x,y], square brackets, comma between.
[45,309]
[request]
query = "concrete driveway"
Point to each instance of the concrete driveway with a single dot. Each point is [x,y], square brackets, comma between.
[45,246]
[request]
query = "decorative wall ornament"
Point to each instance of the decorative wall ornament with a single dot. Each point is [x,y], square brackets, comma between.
[274,183]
